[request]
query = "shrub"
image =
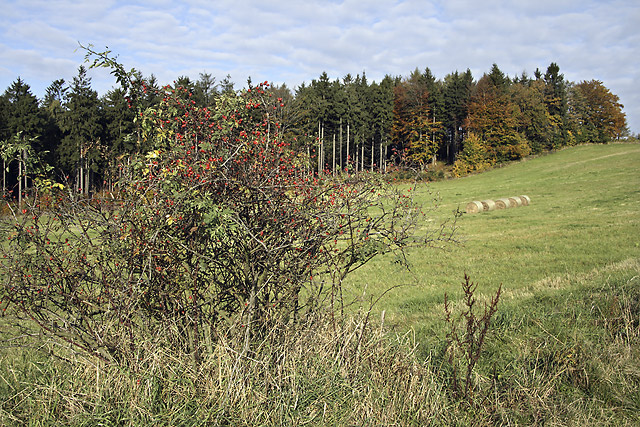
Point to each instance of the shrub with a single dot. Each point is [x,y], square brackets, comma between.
[472,158]
[219,225]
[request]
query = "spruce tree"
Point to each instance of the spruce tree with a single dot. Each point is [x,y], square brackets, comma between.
[82,122]
[24,125]
[22,112]
[556,100]
[457,93]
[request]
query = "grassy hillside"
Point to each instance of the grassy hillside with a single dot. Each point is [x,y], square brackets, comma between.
[563,347]
[584,215]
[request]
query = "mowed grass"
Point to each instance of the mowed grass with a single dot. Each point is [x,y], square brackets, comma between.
[584,215]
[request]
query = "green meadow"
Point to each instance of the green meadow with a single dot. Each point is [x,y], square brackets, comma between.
[584,216]
[563,347]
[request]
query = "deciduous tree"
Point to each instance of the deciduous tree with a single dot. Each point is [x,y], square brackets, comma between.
[597,111]
[413,123]
[492,118]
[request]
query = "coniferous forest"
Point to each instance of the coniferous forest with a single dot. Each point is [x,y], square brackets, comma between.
[74,136]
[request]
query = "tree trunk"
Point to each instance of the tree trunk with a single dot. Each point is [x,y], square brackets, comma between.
[341,163]
[347,147]
[20,184]
[357,159]
[322,155]
[87,180]
[385,157]
[433,139]
[373,144]
[24,172]
[80,185]
[319,149]
[333,170]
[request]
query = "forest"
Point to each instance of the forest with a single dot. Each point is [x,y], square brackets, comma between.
[74,136]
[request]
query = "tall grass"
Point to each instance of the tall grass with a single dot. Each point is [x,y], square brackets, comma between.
[564,355]
[328,374]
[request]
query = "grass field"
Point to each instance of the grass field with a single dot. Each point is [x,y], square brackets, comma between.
[563,347]
[584,216]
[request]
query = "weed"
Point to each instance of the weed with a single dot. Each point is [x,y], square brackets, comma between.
[464,347]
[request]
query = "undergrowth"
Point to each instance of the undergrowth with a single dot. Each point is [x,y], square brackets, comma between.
[561,356]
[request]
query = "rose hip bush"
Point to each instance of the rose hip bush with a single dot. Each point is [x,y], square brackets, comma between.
[219,227]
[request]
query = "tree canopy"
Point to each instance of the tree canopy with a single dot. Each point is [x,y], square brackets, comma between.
[347,123]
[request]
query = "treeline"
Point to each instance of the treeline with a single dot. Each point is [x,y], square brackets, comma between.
[416,120]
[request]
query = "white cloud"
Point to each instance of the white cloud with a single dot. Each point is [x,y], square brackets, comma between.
[294,42]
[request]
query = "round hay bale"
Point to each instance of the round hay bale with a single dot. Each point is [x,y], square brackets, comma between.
[503,204]
[525,200]
[488,205]
[515,201]
[474,207]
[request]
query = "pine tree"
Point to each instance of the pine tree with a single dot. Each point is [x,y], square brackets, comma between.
[80,151]
[22,111]
[205,90]
[119,123]
[382,116]
[457,94]
[226,85]
[22,131]
[53,109]
[555,96]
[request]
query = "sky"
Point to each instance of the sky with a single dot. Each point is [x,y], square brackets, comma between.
[293,42]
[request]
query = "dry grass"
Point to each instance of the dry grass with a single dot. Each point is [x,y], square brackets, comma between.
[323,373]
[548,361]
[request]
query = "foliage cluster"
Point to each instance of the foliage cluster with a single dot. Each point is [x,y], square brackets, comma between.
[220,225]
[510,119]
[472,158]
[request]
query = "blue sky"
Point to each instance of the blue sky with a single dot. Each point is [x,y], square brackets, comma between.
[294,41]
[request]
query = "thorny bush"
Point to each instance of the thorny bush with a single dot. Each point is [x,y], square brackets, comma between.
[218,227]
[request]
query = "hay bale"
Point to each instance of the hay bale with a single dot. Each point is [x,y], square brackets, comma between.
[515,201]
[503,204]
[488,205]
[525,200]
[474,207]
